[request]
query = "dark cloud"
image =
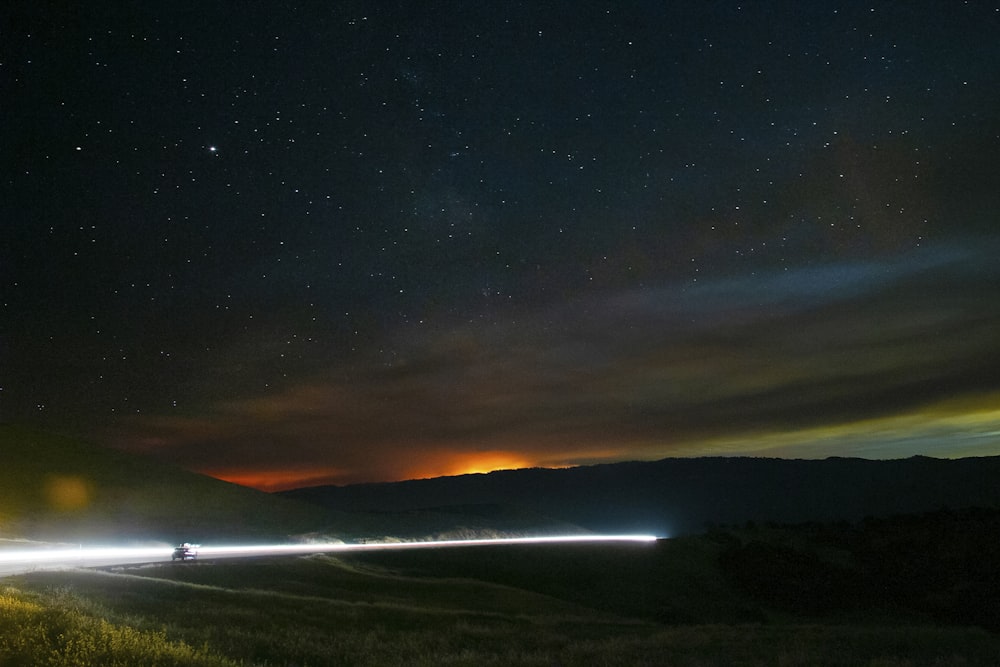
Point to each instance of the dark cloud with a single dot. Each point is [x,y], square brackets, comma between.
[649,372]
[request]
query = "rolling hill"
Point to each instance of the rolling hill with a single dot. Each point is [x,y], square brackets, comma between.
[58,488]
[685,496]
[54,488]
[61,489]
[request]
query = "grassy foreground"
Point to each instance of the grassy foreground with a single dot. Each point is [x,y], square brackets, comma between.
[510,606]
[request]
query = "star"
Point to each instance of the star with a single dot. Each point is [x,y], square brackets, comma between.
[660,242]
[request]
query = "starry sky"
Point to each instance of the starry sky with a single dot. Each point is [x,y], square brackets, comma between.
[290,244]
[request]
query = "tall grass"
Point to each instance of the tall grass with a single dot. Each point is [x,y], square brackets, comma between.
[49,630]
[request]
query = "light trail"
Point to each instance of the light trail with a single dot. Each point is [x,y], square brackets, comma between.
[25,560]
[319,548]
[80,553]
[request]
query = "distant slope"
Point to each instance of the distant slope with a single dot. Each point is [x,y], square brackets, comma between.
[452,522]
[683,496]
[56,488]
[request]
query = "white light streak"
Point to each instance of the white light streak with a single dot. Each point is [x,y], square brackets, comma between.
[81,554]
[369,546]
[27,559]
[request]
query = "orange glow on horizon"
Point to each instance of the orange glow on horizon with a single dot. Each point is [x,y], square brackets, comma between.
[279,480]
[452,463]
[443,464]
[483,462]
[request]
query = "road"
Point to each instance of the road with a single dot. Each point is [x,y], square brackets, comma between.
[18,561]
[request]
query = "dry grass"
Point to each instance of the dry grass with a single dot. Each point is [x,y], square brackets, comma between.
[328,611]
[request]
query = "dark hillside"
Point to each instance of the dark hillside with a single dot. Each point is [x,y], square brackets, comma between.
[941,566]
[56,488]
[684,496]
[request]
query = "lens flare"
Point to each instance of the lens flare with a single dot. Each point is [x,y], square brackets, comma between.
[67,493]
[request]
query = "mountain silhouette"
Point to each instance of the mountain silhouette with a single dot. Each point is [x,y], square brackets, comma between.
[673,497]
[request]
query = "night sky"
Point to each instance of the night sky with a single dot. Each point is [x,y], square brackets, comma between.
[291,244]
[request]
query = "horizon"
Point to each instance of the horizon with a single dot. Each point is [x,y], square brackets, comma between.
[265,484]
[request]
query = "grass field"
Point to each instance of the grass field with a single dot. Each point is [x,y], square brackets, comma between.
[662,604]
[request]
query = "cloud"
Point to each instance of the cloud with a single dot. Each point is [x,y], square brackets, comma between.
[631,374]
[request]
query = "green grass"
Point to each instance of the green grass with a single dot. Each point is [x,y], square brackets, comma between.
[51,630]
[672,581]
[505,606]
[363,619]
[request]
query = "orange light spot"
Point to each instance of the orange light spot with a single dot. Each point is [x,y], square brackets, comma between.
[468,463]
[67,492]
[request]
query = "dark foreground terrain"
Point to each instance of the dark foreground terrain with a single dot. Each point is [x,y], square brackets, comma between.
[677,496]
[906,590]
